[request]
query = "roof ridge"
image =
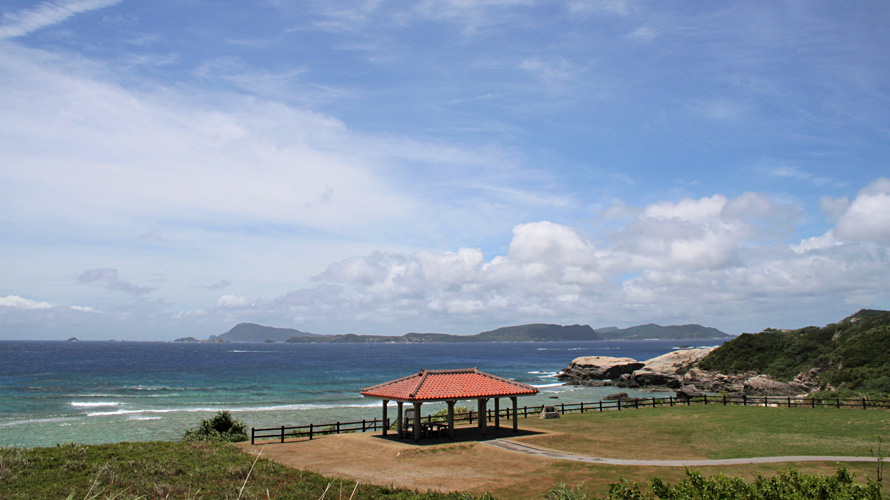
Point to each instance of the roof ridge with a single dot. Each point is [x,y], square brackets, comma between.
[423,375]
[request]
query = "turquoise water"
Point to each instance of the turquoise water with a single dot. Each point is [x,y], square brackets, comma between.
[96,392]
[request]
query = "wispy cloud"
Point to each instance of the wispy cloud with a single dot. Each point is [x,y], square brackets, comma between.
[109,277]
[47,14]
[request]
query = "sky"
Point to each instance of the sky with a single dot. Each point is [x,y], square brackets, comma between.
[173,168]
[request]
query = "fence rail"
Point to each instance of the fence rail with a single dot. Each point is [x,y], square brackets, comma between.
[283,432]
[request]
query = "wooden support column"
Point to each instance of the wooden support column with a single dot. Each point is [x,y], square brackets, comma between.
[515,419]
[482,414]
[497,413]
[417,421]
[385,403]
[399,427]
[451,418]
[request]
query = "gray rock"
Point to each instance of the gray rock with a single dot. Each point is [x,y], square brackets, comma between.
[598,368]
[666,370]
[689,392]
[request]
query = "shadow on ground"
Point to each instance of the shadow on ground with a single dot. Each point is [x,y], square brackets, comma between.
[461,435]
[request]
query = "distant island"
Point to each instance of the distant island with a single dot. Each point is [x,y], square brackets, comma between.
[538,332]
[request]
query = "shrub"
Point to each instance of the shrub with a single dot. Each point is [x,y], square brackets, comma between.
[220,427]
[786,485]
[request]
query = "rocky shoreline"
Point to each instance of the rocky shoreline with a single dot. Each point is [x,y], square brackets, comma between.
[677,370]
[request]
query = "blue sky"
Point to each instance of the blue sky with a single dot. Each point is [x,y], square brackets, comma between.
[173,168]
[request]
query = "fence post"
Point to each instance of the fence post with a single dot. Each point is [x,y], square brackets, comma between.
[637,403]
[252,434]
[744,400]
[619,405]
[653,401]
[765,401]
[724,399]
[863,403]
[838,402]
[813,401]
[789,401]
[310,432]
[282,433]
[601,405]
[524,412]
[582,406]
[671,398]
[706,399]
[563,408]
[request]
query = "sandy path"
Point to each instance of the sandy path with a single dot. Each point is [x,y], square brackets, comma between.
[560,455]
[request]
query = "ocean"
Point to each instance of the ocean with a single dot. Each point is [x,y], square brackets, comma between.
[100,392]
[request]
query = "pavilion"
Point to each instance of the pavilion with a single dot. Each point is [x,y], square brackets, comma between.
[449,386]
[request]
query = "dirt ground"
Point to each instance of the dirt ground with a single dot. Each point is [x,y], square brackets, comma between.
[463,464]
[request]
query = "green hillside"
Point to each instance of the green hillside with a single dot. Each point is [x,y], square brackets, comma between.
[854,354]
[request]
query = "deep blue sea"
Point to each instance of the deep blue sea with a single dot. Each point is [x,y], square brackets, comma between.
[98,392]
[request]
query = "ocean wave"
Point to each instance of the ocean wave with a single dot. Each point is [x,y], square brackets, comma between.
[144,418]
[545,386]
[93,404]
[30,421]
[212,409]
[247,350]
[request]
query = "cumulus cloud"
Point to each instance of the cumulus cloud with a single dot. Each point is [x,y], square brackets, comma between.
[16,302]
[46,14]
[867,218]
[109,277]
[715,257]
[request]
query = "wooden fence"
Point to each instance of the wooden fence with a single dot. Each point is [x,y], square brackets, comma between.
[282,433]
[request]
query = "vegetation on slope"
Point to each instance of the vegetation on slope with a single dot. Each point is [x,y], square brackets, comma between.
[162,470]
[787,485]
[220,427]
[852,356]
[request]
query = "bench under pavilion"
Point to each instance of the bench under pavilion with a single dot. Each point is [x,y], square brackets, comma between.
[449,386]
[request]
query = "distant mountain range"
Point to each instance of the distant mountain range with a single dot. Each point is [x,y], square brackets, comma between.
[251,332]
[651,331]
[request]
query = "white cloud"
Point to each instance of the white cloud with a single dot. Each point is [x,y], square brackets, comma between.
[46,14]
[233,301]
[867,218]
[16,302]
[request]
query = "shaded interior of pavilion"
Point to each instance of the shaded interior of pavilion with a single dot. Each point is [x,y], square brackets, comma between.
[493,415]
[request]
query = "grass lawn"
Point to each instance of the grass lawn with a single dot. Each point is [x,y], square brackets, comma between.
[174,470]
[701,432]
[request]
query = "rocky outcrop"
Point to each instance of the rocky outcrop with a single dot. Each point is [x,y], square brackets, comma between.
[761,385]
[666,370]
[677,370]
[596,368]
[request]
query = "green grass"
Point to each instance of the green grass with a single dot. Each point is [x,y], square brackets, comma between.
[695,432]
[174,470]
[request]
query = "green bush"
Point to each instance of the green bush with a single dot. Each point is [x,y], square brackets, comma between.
[220,427]
[786,485]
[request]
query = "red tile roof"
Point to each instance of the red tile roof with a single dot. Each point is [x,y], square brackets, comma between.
[439,385]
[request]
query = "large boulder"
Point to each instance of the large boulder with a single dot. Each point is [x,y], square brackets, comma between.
[598,368]
[762,385]
[668,369]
